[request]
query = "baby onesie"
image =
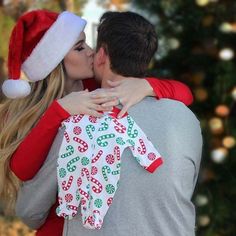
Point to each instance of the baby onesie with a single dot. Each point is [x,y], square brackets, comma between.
[89,163]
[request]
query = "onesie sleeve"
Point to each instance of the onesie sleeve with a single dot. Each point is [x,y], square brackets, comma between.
[142,148]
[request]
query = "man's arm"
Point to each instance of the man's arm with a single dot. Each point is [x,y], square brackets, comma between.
[37,196]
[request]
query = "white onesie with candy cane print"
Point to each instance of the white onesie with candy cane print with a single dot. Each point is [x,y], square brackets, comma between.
[89,163]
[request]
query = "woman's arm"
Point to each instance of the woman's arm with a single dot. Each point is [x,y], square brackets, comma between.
[172,89]
[33,150]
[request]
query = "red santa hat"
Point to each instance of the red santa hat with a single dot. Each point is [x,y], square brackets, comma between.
[39,42]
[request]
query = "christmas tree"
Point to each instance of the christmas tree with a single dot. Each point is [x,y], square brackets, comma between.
[197,46]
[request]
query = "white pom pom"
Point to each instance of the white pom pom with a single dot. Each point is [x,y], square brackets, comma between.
[16,88]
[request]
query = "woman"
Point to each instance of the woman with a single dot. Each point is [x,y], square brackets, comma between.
[52,51]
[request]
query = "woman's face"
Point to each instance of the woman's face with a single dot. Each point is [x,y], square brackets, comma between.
[78,62]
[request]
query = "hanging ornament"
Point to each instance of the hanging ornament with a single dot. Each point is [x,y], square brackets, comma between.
[201,200]
[204,220]
[218,155]
[233,93]
[222,111]
[207,21]
[173,43]
[198,77]
[206,175]
[216,125]
[229,142]
[226,54]
[227,27]
[202,3]
[201,94]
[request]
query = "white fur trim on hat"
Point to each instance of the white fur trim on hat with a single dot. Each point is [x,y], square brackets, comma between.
[16,88]
[52,48]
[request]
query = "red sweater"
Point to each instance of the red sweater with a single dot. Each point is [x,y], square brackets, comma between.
[30,156]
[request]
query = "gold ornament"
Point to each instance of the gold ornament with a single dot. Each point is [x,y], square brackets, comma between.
[198,77]
[229,142]
[202,3]
[204,220]
[216,125]
[233,93]
[207,20]
[201,200]
[218,155]
[222,110]
[200,94]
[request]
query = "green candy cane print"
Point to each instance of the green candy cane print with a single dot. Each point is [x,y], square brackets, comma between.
[104,126]
[102,140]
[70,150]
[89,130]
[132,133]
[70,166]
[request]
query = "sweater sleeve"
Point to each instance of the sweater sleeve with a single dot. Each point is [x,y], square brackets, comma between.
[171,89]
[32,152]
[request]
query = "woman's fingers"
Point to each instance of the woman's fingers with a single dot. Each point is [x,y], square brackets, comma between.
[123,111]
[104,100]
[92,112]
[111,103]
[103,93]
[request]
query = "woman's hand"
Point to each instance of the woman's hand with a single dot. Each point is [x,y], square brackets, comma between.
[129,91]
[89,103]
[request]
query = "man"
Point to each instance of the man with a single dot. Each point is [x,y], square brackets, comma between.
[145,204]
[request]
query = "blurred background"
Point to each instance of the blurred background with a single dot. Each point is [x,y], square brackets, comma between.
[197,45]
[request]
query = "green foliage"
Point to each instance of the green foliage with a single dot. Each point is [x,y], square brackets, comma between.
[6,24]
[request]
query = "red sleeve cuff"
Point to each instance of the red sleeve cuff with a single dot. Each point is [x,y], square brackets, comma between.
[158,162]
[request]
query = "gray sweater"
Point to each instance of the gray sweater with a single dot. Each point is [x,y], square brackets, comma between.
[145,204]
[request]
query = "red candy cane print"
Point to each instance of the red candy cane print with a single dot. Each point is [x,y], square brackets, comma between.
[109,201]
[66,135]
[95,159]
[84,147]
[82,192]
[142,150]
[97,189]
[84,172]
[117,152]
[72,207]
[66,186]
[77,118]
[90,220]
[119,127]
[79,181]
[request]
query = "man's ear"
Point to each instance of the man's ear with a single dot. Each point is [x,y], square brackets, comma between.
[101,56]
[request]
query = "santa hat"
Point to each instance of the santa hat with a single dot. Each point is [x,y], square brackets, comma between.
[39,42]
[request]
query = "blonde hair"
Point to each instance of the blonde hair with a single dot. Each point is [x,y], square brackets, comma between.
[18,117]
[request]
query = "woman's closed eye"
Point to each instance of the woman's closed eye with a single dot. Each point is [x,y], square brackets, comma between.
[79,48]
